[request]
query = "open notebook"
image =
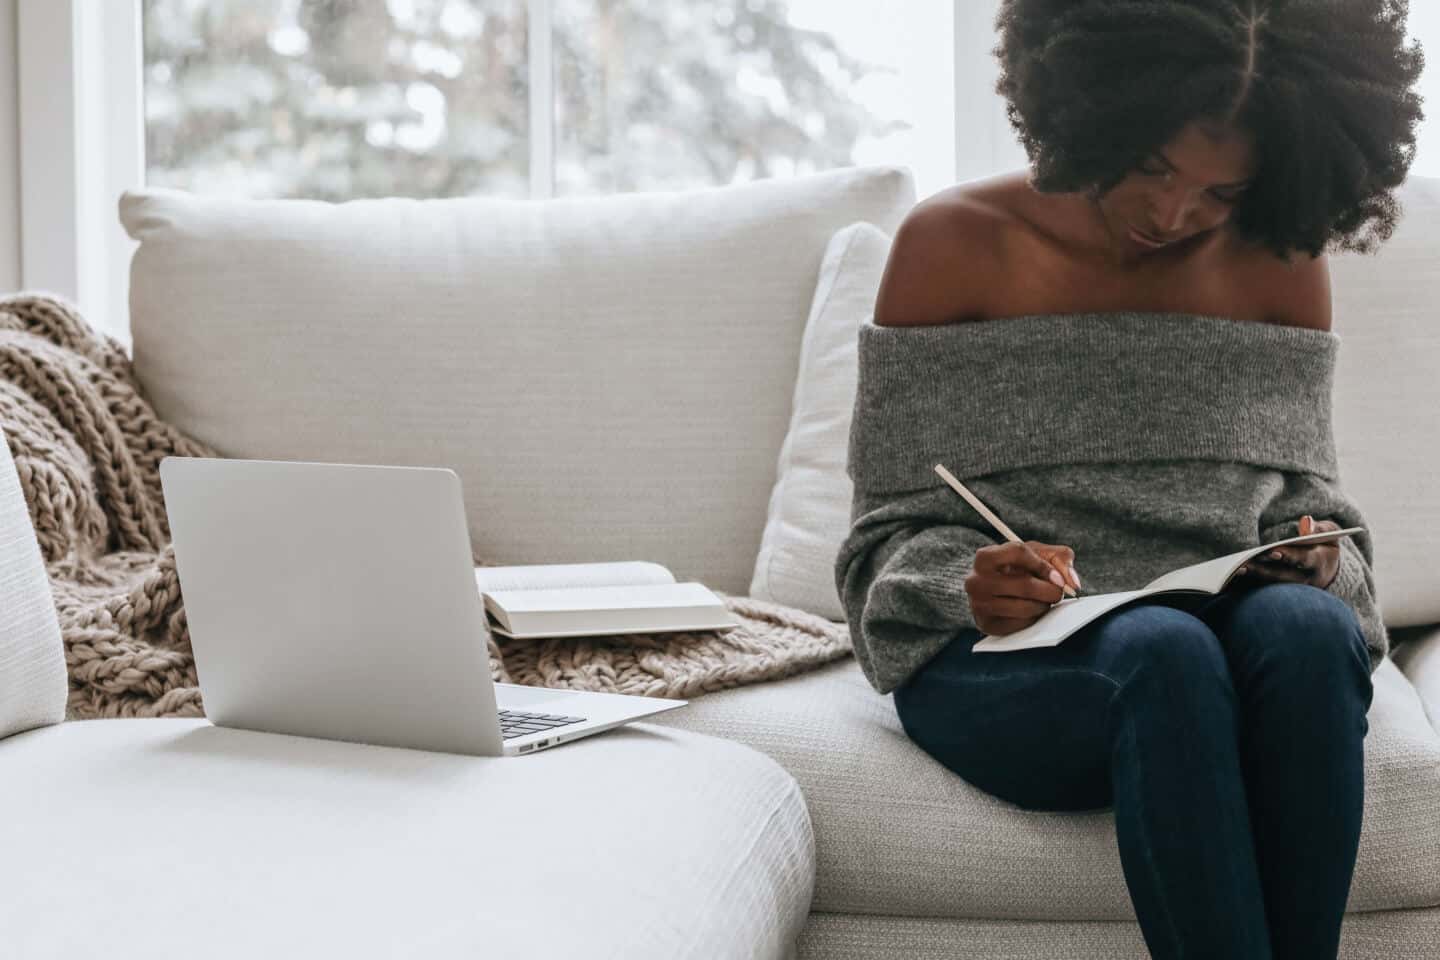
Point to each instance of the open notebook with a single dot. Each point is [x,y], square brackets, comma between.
[585,599]
[1069,615]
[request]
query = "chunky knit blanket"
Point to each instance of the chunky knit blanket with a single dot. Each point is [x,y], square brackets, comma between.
[88,447]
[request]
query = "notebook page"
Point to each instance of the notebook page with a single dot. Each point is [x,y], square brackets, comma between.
[1070,614]
[541,576]
[1056,624]
[1212,575]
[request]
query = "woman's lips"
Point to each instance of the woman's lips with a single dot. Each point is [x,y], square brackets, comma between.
[1145,241]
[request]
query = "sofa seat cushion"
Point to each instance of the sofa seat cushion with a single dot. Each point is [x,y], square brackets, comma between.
[168,838]
[897,833]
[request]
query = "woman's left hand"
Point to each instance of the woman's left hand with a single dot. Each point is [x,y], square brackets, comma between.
[1312,563]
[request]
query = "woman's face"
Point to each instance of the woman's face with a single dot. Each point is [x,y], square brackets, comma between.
[1188,187]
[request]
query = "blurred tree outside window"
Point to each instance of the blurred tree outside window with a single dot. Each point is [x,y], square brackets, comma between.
[338,99]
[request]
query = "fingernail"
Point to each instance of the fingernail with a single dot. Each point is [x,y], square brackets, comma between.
[1056,579]
[1242,569]
[1274,554]
[1074,576]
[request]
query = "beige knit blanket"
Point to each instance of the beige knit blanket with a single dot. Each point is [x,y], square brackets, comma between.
[88,447]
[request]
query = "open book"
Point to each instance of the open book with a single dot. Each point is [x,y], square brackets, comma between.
[1070,614]
[585,599]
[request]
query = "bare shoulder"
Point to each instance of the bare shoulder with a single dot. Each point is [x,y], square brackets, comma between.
[1293,291]
[1303,291]
[943,252]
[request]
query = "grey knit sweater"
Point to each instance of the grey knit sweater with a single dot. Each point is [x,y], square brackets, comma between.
[1144,441]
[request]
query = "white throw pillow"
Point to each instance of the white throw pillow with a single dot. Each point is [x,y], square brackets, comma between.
[33,684]
[809,511]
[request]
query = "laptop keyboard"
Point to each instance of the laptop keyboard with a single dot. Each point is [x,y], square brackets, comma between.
[517,723]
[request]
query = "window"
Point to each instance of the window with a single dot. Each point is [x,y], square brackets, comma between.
[346,98]
[539,97]
[337,100]
[333,99]
[1424,26]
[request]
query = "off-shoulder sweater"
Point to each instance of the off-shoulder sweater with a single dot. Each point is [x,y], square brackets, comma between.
[1144,441]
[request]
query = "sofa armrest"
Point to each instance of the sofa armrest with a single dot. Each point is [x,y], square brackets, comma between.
[1419,659]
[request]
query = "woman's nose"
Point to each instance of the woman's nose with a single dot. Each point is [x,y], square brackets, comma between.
[1170,211]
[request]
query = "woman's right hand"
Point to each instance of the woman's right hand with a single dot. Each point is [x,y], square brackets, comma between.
[1013,584]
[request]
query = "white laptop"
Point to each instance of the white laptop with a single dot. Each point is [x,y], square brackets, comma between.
[339,601]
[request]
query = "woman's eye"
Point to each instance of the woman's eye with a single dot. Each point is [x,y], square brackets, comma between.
[1226,198]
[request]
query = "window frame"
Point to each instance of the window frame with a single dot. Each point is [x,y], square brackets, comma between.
[81,136]
[984,140]
[80,144]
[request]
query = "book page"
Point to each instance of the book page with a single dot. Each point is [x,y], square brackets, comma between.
[544,576]
[601,598]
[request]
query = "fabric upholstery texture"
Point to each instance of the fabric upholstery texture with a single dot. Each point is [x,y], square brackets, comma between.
[898,834]
[641,842]
[1381,935]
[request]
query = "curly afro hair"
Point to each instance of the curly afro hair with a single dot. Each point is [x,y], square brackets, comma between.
[1323,87]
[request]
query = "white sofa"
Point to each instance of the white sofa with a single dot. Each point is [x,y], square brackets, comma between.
[614,378]
[175,838]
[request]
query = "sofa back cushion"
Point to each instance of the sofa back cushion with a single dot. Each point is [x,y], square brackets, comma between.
[1387,392]
[33,683]
[611,377]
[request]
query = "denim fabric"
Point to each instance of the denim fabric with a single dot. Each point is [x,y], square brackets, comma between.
[1226,733]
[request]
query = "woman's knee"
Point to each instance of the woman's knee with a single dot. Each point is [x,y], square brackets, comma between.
[1299,619]
[1162,643]
[1300,625]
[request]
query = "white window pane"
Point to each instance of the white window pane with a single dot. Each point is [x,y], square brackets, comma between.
[333,100]
[655,96]
[1424,26]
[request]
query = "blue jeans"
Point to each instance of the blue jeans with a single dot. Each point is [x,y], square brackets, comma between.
[1227,733]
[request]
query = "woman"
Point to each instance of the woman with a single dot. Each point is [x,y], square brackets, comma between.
[1126,352]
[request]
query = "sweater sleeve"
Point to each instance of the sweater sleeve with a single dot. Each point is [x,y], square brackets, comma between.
[1355,579]
[901,578]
